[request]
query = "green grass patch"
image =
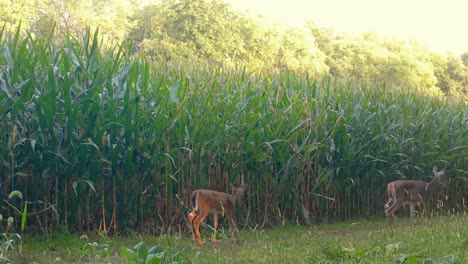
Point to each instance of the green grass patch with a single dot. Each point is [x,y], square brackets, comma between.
[437,240]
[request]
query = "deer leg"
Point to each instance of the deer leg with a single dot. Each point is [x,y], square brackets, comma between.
[191,217]
[387,205]
[390,211]
[215,227]
[390,218]
[389,208]
[232,226]
[196,226]
[412,211]
[427,211]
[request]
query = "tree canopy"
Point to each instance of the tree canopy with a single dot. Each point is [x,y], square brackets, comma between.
[210,32]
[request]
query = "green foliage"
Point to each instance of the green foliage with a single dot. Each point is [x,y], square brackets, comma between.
[379,252]
[90,128]
[438,240]
[390,253]
[377,60]
[205,33]
[8,240]
[209,32]
[61,17]
[464,58]
[154,255]
[95,250]
[15,13]
[189,30]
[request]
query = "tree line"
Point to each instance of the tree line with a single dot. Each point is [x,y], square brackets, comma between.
[212,33]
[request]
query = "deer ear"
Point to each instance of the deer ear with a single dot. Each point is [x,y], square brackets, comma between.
[434,170]
[443,171]
[232,187]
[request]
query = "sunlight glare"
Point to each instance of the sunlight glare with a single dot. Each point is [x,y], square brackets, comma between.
[438,25]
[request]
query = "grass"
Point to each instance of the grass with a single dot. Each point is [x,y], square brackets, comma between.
[438,240]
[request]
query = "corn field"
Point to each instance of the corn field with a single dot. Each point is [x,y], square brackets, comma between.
[95,138]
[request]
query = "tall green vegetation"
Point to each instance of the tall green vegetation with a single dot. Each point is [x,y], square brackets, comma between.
[210,32]
[86,131]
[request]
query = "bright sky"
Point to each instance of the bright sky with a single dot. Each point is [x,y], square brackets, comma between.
[441,25]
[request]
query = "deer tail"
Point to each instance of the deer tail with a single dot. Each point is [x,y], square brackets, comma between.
[393,192]
[194,205]
[195,201]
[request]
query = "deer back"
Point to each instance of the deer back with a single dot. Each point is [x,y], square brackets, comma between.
[408,190]
[214,200]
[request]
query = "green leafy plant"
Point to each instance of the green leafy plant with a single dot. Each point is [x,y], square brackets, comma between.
[140,253]
[332,251]
[8,240]
[100,251]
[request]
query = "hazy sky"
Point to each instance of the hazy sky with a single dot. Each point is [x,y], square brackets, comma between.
[441,25]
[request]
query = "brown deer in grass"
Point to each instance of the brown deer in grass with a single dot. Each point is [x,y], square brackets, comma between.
[408,192]
[205,202]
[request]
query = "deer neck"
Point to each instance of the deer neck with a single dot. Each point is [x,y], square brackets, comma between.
[431,186]
[234,197]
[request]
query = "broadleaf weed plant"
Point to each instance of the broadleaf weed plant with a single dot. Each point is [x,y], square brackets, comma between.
[8,239]
[141,253]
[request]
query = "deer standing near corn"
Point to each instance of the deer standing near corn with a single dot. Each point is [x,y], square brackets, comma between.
[408,192]
[205,202]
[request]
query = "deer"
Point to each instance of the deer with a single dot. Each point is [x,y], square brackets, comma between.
[410,192]
[205,202]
